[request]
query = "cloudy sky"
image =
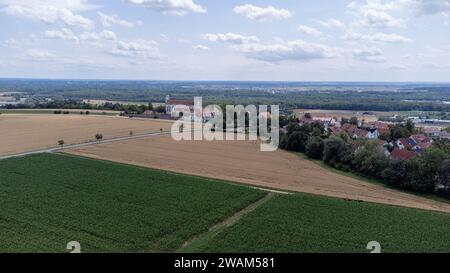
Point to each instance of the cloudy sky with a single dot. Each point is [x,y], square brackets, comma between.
[298,40]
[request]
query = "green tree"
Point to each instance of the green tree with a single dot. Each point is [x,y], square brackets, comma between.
[99,137]
[314,148]
[354,121]
[297,140]
[397,131]
[423,175]
[61,143]
[444,178]
[410,127]
[370,159]
[344,121]
[161,109]
[396,173]
[334,150]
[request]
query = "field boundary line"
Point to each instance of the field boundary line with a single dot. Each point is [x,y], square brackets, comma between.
[228,222]
[271,190]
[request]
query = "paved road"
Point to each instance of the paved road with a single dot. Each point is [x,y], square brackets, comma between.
[110,140]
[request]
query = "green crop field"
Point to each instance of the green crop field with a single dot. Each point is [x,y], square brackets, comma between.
[48,200]
[306,223]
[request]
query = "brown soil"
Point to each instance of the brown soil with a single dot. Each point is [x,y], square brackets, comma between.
[244,163]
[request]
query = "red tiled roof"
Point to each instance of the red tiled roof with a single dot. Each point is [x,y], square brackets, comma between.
[349,128]
[421,138]
[360,133]
[405,143]
[383,130]
[379,125]
[335,130]
[402,154]
[424,145]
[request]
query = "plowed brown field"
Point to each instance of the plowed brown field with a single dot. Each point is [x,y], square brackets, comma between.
[243,162]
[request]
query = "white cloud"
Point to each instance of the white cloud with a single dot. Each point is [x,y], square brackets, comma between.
[378,19]
[398,67]
[108,35]
[40,55]
[201,47]
[434,66]
[109,43]
[20,43]
[422,7]
[331,23]
[376,37]
[369,55]
[310,31]
[377,13]
[262,14]
[390,38]
[230,38]
[90,38]
[65,34]
[297,50]
[176,7]
[50,11]
[137,49]
[110,20]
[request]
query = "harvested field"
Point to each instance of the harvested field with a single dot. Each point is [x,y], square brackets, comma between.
[21,133]
[243,162]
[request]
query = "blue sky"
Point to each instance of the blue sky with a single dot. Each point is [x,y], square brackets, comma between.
[296,40]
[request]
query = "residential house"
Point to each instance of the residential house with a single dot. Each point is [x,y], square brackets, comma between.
[373,134]
[403,144]
[398,154]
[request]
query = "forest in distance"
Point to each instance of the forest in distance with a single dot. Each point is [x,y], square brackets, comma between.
[358,96]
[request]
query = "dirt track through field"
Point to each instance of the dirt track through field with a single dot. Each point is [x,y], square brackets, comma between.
[22,133]
[243,162]
[214,230]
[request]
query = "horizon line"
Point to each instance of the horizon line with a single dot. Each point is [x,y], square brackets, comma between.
[237,81]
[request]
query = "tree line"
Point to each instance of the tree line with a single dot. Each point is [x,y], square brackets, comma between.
[80,105]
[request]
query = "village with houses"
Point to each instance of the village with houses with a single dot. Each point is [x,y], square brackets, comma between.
[405,147]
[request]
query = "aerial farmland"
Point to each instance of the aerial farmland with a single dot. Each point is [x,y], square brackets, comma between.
[238,186]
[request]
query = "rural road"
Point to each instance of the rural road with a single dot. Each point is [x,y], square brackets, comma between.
[71,146]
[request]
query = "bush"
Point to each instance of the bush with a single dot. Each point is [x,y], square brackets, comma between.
[370,160]
[396,174]
[443,185]
[314,148]
[297,141]
[334,150]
